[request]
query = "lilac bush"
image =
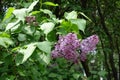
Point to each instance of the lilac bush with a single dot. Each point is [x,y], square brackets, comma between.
[68,46]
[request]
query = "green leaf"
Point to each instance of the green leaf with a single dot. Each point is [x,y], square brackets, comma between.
[8,13]
[5,42]
[44,46]
[19,58]
[51,36]
[71,15]
[50,4]
[34,12]
[32,5]
[3,34]
[81,23]
[21,37]
[102,73]
[76,76]
[47,27]
[27,52]
[67,26]
[52,75]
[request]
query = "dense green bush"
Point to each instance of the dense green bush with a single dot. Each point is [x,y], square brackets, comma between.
[28,36]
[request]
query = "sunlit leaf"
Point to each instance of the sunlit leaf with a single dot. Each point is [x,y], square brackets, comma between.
[71,15]
[47,27]
[32,5]
[81,23]
[50,4]
[45,58]
[8,13]
[12,24]
[27,51]
[44,46]
[46,11]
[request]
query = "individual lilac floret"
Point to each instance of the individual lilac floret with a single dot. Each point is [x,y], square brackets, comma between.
[67,47]
[87,45]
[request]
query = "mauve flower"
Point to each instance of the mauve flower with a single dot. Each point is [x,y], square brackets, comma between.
[87,45]
[67,47]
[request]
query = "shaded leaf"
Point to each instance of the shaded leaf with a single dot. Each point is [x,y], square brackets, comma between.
[5,42]
[21,37]
[19,58]
[47,27]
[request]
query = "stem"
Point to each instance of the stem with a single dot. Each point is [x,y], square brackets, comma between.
[40,4]
[86,68]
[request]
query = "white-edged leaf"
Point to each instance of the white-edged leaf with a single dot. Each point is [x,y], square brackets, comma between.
[46,11]
[20,13]
[27,51]
[81,23]
[47,27]
[71,15]
[32,5]
[45,58]
[12,24]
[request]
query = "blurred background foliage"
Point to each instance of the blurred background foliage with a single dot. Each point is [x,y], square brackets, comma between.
[102,18]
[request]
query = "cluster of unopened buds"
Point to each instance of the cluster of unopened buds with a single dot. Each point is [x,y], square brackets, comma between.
[71,48]
[31,20]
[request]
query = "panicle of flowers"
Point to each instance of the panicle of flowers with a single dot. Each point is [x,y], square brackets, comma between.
[67,47]
[31,20]
[87,45]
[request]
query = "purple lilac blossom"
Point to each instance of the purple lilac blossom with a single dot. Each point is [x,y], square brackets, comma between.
[87,45]
[67,47]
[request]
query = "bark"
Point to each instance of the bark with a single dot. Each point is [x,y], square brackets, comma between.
[111,59]
[105,61]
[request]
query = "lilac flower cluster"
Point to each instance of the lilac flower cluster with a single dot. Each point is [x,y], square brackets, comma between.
[31,20]
[68,47]
[87,45]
